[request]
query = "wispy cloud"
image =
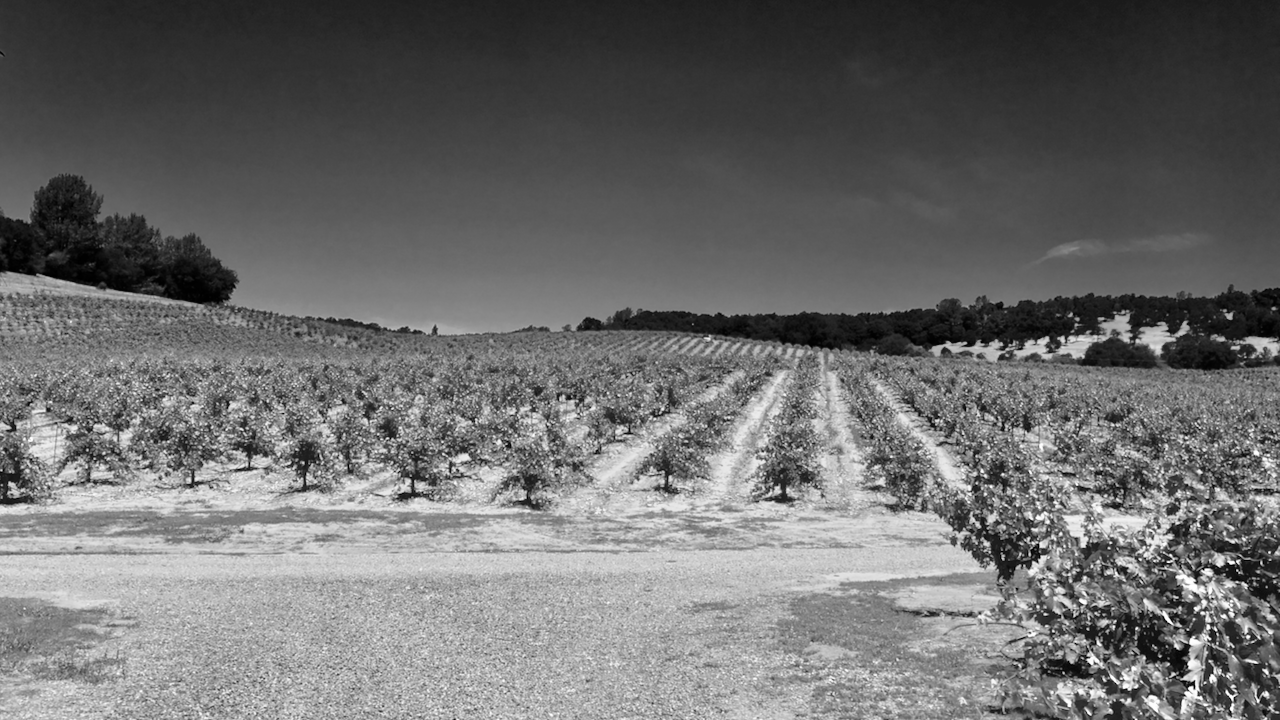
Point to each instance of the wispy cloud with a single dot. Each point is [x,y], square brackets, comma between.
[1153,244]
[922,208]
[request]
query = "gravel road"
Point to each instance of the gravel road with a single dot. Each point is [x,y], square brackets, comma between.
[664,634]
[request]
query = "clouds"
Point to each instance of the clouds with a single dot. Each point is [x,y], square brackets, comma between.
[923,209]
[1145,245]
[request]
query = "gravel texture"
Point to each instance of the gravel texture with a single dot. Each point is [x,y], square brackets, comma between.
[665,634]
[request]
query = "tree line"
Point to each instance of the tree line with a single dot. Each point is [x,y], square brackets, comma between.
[65,239]
[1233,315]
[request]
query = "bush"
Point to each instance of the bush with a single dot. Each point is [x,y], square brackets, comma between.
[1170,622]
[1198,352]
[896,345]
[1114,352]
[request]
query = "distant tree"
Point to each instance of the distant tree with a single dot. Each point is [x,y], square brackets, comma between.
[131,250]
[895,345]
[435,330]
[192,273]
[618,320]
[590,323]
[1115,352]
[566,328]
[65,217]
[1199,352]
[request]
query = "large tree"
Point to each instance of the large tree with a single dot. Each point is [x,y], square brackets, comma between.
[20,248]
[65,217]
[132,252]
[192,273]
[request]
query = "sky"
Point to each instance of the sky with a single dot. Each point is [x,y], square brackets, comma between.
[483,166]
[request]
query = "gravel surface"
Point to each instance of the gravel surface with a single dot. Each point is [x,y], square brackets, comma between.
[664,634]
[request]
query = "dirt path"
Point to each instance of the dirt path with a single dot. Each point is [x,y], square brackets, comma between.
[948,468]
[615,471]
[731,469]
[843,468]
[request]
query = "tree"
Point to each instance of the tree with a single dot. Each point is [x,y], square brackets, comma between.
[590,323]
[679,455]
[131,250]
[1199,352]
[895,344]
[65,216]
[352,437]
[538,469]
[250,432]
[435,330]
[20,248]
[20,469]
[184,440]
[192,273]
[308,454]
[789,461]
[1115,352]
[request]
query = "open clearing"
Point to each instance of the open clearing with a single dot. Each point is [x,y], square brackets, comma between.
[331,613]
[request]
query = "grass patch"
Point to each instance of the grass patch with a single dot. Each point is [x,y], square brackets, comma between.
[868,659]
[43,641]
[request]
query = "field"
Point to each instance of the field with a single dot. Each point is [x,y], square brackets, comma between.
[212,512]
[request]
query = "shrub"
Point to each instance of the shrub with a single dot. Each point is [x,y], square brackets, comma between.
[1199,353]
[1168,622]
[21,470]
[1115,352]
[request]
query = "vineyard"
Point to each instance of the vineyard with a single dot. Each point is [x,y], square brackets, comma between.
[1127,514]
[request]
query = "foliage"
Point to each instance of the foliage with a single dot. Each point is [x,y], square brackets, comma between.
[412,446]
[250,431]
[90,448]
[20,248]
[309,455]
[1010,514]
[1176,621]
[352,437]
[1199,353]
[678,455]
[20,469]
[537,471]
[65,216]
[181,440]
[66,241]
[1114,352]
[789,460]
[190,272]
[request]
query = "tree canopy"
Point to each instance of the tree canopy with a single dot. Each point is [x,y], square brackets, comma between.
[65,240]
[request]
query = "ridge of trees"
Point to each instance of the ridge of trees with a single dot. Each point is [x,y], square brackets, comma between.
[348,322]
[65,239]
[1233,315]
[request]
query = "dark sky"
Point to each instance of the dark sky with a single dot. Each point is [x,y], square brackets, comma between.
[484,166]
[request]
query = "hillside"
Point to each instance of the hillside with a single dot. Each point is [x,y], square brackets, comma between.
[20,284]
[1153,337]
[42,317]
